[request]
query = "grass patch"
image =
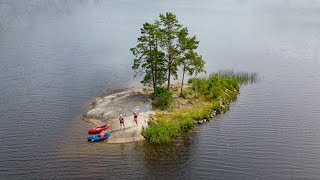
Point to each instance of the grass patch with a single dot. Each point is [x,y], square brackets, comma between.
[170,124]
[186,93]
[164,131]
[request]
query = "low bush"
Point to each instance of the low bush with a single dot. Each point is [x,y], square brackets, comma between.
[162,132]
[216,105]
[231,83]
[186,93]
[215,87]
[201,85]
[163,99]
[216,91]
[191,80]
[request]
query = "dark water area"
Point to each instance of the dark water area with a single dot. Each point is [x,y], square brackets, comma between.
[57,55]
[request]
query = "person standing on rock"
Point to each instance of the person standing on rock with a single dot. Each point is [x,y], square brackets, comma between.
[121,119]
[135,118]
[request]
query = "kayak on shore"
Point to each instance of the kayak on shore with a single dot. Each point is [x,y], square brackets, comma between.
[98,129]
[96,138]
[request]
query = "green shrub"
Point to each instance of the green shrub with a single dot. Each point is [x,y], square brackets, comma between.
[185,93]
[232,95]
[216,91]
[164,99]
[162,132]
[190,81]
[216,105]
[215,86]
[161,90]
[231,83]
[201,86]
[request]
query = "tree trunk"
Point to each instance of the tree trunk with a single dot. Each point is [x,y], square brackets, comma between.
[184,69]
[152,67]
[169,74]
[169,63]
[155,82]
[156,69]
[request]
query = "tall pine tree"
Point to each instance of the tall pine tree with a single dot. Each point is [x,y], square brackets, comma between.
[170,44]
[190,61]
[162,47]
[149,59]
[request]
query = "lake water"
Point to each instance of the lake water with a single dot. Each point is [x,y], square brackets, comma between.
[57,55]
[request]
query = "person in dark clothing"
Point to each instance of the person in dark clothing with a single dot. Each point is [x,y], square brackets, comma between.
[135,117]
[121,119]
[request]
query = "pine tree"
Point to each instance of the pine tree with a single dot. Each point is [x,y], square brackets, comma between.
[149,59]
[162,47]
[190,60]
[170,44]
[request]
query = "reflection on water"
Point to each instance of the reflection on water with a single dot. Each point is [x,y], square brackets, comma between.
[170,157]
[57,55]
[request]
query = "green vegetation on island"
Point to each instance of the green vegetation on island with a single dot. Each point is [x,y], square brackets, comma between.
[163,48]
[202,98]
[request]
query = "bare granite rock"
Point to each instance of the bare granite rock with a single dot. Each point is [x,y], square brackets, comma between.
[106,110]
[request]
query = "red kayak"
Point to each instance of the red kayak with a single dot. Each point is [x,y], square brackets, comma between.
[98,129]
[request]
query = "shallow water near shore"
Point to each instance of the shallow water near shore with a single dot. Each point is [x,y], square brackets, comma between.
[55,56]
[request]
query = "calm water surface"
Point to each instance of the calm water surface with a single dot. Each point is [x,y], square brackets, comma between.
[56,55]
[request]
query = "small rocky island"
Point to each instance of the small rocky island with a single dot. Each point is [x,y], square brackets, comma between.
[165,110]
